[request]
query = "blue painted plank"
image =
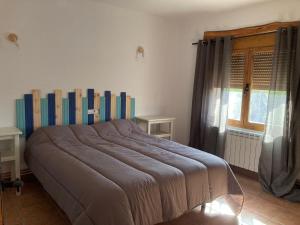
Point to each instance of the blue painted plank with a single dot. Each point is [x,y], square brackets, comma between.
[85,110]
[20,113]
[107,95]
[44,112]
[132,108]
[51,109]
[90,96]
[72,108]
[65,111]
[102,108]
[118,108]
[123,105]
[28,114]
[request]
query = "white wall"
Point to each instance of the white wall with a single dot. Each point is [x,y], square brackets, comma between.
[192,29]
[79,44]
[68,44]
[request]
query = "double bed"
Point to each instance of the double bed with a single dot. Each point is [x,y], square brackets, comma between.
[113,173]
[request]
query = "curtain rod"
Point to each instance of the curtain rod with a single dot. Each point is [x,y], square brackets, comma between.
[249,35]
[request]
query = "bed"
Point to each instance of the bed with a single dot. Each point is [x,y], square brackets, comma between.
[110,172]
[113,173]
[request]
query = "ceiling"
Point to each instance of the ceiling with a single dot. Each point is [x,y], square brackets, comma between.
[177,7]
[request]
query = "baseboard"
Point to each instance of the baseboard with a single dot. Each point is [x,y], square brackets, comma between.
[250,174]
[244,172]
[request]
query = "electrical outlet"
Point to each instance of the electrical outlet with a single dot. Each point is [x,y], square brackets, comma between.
[91,111]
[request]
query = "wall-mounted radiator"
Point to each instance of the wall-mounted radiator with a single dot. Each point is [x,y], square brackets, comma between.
[243,149]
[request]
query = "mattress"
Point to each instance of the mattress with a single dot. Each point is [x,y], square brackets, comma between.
[113,173]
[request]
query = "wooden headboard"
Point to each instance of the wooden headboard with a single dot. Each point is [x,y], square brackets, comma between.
[33,112]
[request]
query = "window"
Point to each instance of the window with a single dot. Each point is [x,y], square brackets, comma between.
[250,79]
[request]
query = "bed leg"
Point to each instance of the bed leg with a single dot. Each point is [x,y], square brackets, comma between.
[203,207]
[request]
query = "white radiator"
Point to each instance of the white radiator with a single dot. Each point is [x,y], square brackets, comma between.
[243,149]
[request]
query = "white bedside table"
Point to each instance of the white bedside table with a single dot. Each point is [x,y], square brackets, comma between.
[159,126]
[13,154]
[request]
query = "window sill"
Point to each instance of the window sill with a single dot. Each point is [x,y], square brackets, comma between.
[245,131]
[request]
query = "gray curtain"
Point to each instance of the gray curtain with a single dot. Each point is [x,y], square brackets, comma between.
[210,96]
[279,164]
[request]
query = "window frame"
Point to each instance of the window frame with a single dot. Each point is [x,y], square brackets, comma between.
[248,46]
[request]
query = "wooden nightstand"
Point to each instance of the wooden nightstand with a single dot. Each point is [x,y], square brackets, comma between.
[12,154]
[159,126]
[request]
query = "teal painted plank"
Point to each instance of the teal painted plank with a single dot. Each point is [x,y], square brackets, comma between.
[44,112]
[102,108]
[65,106]
[20,115]
[118,108]
[23,122]
[132,108]
[84,110]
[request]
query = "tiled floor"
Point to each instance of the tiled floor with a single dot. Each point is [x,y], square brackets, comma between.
[35,207]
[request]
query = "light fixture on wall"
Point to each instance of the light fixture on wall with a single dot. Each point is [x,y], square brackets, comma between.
[140,53]
[13,38]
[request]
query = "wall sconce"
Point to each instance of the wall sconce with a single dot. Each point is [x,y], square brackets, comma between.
[140,53]
[13,38]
